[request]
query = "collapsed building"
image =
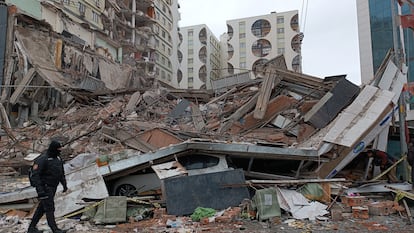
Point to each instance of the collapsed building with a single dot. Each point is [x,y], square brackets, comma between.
[115,120]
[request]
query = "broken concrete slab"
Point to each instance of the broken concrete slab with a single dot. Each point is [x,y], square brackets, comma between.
[332,103]
[83,183]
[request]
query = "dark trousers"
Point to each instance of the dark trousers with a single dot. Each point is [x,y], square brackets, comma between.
[46,206]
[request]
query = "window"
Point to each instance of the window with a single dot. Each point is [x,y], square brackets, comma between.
[98,3]
[190,51]
[280,19]
[261,28]
[95,16]
[163,34]
[242,45]
[280,50]
[242,27]
[190,33]
[280,30]
[242,65]
[190,82]
[199,161]
[82,9]
[242,35]
[163,75]
[190,60]
[190,70]
[67,2]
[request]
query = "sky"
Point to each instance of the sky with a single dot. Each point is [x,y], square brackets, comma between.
[330,46]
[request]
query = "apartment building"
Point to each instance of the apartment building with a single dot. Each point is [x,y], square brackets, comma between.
[166,40]
[199,57]
[252,41]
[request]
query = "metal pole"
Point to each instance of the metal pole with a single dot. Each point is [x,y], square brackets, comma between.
[399,59]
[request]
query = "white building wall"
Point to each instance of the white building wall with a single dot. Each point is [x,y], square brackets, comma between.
[59,25]
[175,43]
[166,33]
[280,37]
[191,64]
[365,45]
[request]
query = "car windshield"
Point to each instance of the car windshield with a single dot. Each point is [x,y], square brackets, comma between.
[198,161]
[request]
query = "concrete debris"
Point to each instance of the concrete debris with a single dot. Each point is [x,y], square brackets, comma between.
[126,135]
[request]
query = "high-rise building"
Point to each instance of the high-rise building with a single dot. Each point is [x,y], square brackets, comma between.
[252,41]
[378,33]
[167,40]
[199,57]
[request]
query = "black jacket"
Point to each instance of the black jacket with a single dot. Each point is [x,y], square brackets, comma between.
[48,170]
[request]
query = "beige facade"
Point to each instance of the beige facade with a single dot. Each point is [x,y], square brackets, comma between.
[200,60]
[166,40]
[254,40]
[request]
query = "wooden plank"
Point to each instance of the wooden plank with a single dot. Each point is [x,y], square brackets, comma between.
[3,117]
[227,123]
[132,103]
[407,209]
[222,96]
[300,181]
[264,94]
[127,139]
[389,169]
[22,85]
[58,54]
[159,138]
[198,119]
[7,79]
[276,106]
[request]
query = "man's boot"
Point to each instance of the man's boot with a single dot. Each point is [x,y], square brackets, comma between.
[52,223]
[33,230]
[59,231]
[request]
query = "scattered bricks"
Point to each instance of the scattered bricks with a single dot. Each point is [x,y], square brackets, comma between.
[229,215]
[382,208]
[159,212]
[224,219]
[353,200]
[204,221]
[361,212]
[336,214]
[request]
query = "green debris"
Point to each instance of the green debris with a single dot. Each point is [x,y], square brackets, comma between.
[201,212]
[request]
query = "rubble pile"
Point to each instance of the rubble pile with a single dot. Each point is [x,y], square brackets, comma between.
[249,149]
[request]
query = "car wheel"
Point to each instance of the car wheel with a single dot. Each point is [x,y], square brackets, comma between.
[127,190]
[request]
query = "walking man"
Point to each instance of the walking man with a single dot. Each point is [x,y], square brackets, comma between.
[47,173]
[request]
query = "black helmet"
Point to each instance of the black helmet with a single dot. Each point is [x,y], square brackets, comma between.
[54,147]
